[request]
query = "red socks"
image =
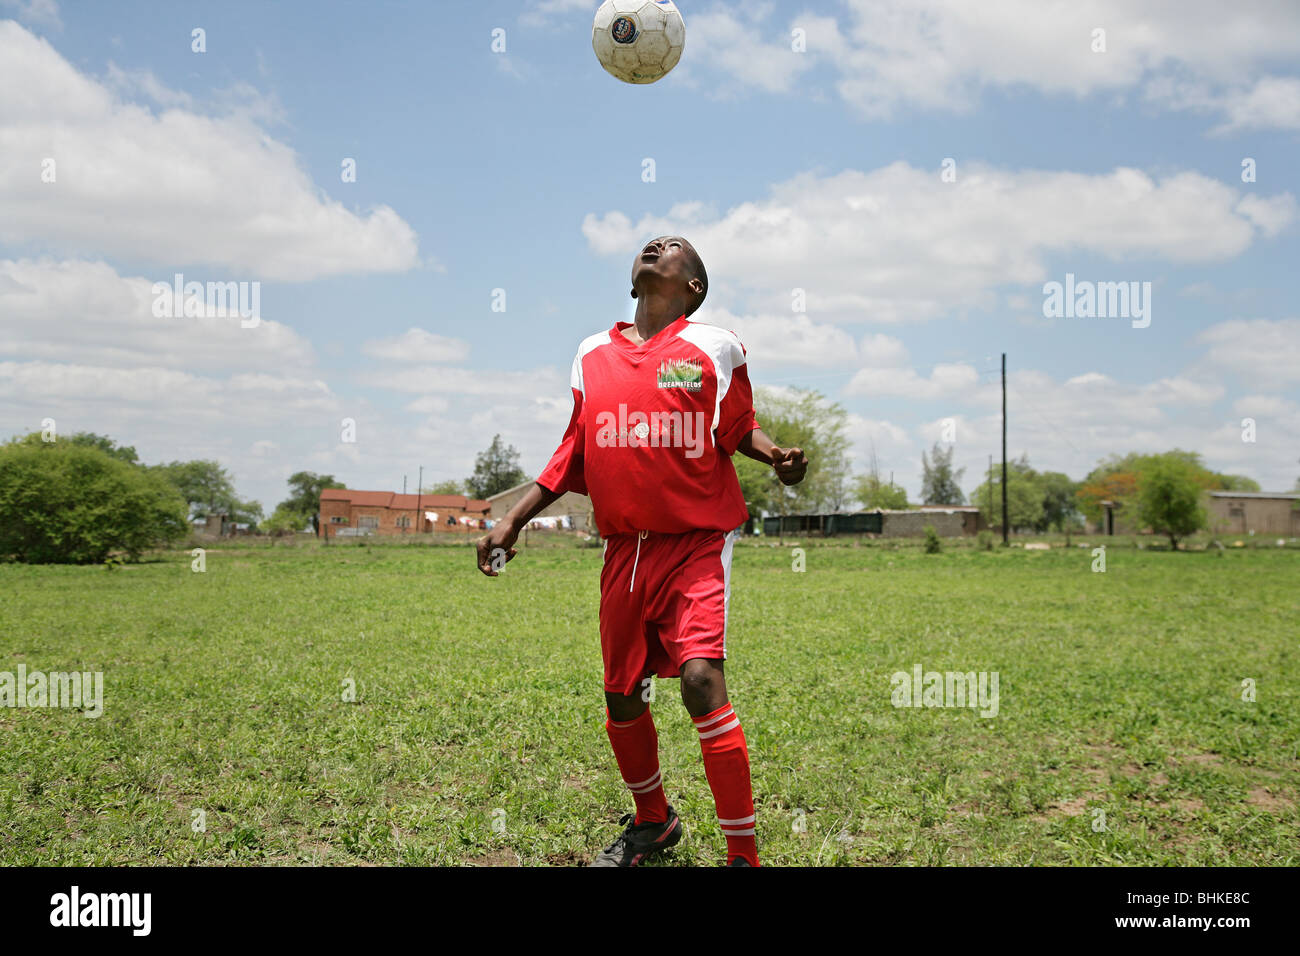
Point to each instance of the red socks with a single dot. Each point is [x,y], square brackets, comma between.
[636,748]
[726,764]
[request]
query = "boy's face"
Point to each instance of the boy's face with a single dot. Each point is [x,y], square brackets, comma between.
[670,260]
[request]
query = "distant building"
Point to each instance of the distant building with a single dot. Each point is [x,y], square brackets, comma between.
[1251,512]
[949,521]
[215,525]
[571,505]
[346,512]
[967,519]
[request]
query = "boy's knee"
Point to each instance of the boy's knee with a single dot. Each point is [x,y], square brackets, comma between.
[624,707]
[701,681]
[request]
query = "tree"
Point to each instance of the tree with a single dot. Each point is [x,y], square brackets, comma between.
[1059,509]
[210,489]
[875,494]
[1025,496]
[1169,498]
[449,487]
[1237,483]
[284,521]
[495,469]
[306,487]
[1117,486]
[75,503]
[1118,478]
[103,443]
[939,483]
[798,418]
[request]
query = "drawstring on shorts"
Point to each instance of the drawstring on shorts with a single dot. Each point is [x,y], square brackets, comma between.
[641,535]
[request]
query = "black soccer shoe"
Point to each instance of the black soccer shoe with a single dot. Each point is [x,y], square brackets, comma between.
[640,840]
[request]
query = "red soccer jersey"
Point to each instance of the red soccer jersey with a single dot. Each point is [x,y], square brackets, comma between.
[653,430]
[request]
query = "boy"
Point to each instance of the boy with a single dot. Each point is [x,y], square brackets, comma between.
[660,405]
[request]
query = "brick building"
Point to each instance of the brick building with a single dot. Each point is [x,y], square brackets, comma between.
[345,512]
[570,505]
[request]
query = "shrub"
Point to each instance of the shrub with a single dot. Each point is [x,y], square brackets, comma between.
[73,504]
[932,543]
[984,541]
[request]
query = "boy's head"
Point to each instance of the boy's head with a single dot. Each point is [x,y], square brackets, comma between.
[670,265]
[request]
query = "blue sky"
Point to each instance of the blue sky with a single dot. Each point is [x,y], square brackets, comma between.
[522,171]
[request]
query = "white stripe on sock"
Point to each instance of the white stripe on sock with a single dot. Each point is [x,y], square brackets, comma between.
[701,724]
[642,783]
[739,821]
[706,734]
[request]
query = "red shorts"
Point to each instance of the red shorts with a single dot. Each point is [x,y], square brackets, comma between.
[663,602]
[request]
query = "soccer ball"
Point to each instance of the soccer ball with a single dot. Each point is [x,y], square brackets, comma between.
[638,41]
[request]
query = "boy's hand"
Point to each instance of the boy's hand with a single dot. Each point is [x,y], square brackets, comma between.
[790,465]
[497,547]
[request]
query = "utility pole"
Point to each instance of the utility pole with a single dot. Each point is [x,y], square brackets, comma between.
[419,511]
[1005,523]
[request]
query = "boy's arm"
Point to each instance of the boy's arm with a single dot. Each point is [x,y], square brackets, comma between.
[790,464]
[504,533]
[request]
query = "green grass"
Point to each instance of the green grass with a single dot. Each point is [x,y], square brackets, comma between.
[1119,692]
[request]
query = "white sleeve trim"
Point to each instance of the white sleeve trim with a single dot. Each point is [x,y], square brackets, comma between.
[725,351]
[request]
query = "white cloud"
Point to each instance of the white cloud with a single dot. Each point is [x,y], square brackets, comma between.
[1271,102]
[175,187]
[897,244]
[943,381]
[1264,352]
[84,312]
[42,12]
[730,40]
[432,380]
[417,345]
[792,339]
[555,12]
[887,55]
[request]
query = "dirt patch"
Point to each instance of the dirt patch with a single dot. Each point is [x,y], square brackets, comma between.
[1068,808]
[500,857]
[1209,760]
[1267,800]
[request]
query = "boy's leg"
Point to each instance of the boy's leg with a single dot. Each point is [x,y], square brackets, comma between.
[726,756]
[632,734]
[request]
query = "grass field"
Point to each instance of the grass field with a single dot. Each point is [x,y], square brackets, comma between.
[1119,691]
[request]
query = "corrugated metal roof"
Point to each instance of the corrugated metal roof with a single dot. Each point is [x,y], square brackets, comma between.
[1276,495]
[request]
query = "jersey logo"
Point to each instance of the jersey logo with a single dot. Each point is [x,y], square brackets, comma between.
[681,373]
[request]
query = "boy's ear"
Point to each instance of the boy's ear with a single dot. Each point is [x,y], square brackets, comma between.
[695,285]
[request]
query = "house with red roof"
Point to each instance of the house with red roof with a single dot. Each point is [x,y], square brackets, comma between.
[347,512]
